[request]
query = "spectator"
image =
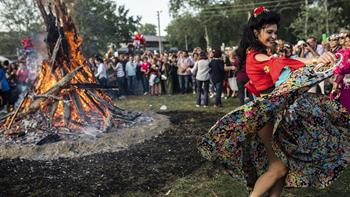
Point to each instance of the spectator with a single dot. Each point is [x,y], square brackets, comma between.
[312,48]
[22,76]
[120,79]
[171,75]
[5,90]
[217,75]
[131,74]
[101,73]
[144,68]
[201,68]
[154,79]
[184,71]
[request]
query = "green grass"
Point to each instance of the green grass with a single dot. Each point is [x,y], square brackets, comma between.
[184,102]
[209,180]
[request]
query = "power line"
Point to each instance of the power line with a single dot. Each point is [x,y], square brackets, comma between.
[220,7]
[245,7]
[234,11]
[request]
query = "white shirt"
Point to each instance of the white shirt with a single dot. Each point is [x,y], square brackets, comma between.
[120,70]
[101,71]
[201,68]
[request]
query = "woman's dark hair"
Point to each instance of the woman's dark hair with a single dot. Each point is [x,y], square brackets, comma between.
[249,40]
[99,59]
[203,55]
[217,53]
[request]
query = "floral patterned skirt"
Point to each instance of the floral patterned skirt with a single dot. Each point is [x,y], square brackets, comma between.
[311,135]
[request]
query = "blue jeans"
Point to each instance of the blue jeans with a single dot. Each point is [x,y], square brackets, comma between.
[102,81]
[131,84]
[121,85]
[145,84]
[184,83]
[218,89]
[199,92]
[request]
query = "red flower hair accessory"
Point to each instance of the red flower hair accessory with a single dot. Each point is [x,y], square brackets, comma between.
[259,10]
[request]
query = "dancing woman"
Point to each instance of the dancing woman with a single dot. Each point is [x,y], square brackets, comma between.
[286,136]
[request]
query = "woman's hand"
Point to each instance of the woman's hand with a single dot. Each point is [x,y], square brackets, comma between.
[326,58]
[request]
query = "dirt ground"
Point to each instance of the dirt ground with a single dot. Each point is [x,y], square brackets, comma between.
[144,167]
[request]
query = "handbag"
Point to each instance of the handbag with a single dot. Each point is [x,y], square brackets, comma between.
[157,80]
[163,77]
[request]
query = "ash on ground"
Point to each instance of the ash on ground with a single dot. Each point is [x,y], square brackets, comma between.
[60,142]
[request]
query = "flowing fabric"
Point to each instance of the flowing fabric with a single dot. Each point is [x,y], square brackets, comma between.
[311,134]
[342,73]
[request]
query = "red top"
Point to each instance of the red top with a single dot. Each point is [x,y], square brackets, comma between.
[264,74]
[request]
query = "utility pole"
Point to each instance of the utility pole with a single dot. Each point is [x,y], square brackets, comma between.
[206,36]
[159,36]
[306,18]
[186,43]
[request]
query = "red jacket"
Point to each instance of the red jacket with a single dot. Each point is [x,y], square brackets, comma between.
[263,75]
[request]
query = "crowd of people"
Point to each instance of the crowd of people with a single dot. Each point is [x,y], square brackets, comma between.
[206,73]
[14,79]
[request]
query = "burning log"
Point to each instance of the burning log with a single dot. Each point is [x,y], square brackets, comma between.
[55,51]
[37,103]
[91,86]
[65,94]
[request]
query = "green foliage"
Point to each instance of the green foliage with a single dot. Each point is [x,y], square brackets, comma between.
[20,16]
[10,41]
[222,26]
[177,6]
[148,29]
[102,22]
[344,15]
[316,23]
[19,19]
[223,21]
[186,27]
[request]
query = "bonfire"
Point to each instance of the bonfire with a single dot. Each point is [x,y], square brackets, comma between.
[65,94]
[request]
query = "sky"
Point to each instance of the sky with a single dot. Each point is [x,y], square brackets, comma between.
[148,11]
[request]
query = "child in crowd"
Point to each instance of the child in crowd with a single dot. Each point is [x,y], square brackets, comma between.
[145,68]
[154,79]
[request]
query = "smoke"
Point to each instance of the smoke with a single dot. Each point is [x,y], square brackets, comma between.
[34,57]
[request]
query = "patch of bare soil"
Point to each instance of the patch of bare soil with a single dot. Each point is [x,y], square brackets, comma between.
[144,167]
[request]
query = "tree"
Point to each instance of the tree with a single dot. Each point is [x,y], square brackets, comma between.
[222,20]
[102,22]
[20,16]
[316,20]
[20,19]
[186,28]
[177,6]
[148,29]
